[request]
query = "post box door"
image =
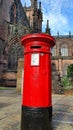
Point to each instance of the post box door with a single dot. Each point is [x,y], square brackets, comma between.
[37,84]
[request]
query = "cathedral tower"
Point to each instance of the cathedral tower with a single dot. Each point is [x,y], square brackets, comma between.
[34,15]
[34,3]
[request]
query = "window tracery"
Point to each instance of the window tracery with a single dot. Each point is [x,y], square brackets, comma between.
[13,14]
[15,52]
[53,51]
[64,50]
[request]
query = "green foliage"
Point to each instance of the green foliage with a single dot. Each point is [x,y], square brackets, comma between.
[70,71]
[67,84]
[5,88]
[67,81]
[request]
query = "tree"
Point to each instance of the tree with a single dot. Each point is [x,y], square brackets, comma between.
[70,73]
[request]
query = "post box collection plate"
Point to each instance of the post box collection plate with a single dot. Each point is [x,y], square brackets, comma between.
[35,59]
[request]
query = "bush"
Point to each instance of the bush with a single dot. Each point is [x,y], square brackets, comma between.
[67,85]
[70,71]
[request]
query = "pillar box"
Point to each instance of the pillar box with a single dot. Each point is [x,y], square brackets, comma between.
[36,97]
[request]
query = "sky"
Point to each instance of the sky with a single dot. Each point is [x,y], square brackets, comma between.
[59,13]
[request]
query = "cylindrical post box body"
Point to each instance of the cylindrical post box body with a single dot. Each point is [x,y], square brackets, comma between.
[36,98]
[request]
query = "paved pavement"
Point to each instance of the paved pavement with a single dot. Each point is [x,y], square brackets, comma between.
[10,111]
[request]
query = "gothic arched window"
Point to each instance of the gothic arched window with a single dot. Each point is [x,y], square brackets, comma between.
[53,50]
[64,50]
[1,2]
[13,14]
[15,52]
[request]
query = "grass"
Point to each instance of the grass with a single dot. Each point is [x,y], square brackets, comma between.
[5,88]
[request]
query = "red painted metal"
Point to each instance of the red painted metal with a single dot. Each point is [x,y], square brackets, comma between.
[37,70]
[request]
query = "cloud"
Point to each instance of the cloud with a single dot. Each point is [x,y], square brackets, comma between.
[56,23]
[68,3]
[52,10]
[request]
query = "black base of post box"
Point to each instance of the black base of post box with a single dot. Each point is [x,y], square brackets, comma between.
[36,118]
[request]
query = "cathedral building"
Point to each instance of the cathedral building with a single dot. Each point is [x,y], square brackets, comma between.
[62,53]
[62,57]
[34,14]
[16,21]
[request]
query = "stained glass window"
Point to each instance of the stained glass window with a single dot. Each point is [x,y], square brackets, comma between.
[64,50]
[15,52]
[53,51]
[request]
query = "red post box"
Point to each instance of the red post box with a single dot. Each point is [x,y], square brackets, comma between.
[36,97]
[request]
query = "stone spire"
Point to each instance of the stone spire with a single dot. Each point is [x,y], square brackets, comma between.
[34,3]
[40,5]
[58,34]
[69,34]
[47,28]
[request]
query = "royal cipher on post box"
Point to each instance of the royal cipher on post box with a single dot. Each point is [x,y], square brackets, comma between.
[36,97]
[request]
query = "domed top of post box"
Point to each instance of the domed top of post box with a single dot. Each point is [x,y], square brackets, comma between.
[40,37]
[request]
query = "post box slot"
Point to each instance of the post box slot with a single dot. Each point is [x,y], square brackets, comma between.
[35,47]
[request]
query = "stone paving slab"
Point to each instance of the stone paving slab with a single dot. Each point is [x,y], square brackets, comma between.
[10,111]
